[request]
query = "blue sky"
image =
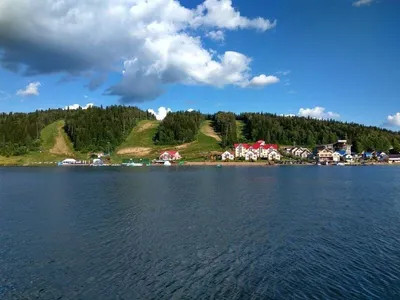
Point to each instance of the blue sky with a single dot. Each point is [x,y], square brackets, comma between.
[333,58]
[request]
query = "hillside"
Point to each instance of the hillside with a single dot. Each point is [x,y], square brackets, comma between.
[240,129]
[55,141]
[140,141]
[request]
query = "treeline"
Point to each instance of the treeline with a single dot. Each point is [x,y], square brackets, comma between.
[92,129]
[178,128]
[20,132]
[102,129]
[310,132]
[225,124]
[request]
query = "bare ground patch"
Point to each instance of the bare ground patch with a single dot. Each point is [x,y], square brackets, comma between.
[184,146]
[146,126]
[140,151]
[60,147]
[209,131]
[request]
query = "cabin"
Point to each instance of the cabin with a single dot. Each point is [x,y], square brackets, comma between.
[305,154]
[169,155]
[336,156]
[348,158]
[227,156]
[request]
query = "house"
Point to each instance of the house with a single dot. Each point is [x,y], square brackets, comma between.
[227,156]
[336,156]
[342,145]
[169,155]
[241,149]
[274,155]
[298,151]
[69,161]
[305,154]
[250,156]
[367,155]
[393,158]
[325,155]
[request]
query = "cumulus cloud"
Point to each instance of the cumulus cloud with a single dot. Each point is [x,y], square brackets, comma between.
[393,120]
[161,113]
[263,80]
[156,43]
[190,110]
[32,89]
[317,113]
[77,106]
[217,35]
[362,3]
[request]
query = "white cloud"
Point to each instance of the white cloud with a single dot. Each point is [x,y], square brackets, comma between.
[216,35]
[32,89]
[77,106]
[362,2]
[394,120]
[284,73]
[190,110]
[156,43]
[317,113]
[161,113]
[263,80]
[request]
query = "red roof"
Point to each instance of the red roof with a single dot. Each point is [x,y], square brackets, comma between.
[268,146]
[256,146]
[260,142]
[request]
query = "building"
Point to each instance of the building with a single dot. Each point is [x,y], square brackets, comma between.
[241,150]
[227,156]
[69,161]
[250,156]
[325,155]
[348,158]
[305,154]
[274,155]
[336,157]
[260,149]
[169,155]
[393,158]
[342,145]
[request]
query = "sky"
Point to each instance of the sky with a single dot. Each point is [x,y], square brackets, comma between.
[324,59]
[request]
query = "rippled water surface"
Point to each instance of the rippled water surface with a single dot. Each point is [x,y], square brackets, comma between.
[200,233]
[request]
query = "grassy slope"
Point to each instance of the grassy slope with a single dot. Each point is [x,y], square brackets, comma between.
[48,137]
[142,135]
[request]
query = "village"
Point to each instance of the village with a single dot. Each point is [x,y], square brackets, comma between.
[338,153]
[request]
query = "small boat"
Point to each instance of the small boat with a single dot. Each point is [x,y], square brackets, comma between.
[134,165]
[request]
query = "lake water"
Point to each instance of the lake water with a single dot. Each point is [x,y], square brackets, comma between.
[200,233]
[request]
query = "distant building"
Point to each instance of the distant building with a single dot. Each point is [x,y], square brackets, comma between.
[227,156]
[250,156]
[393,158]
[170,155]
[342,145]
[260,150]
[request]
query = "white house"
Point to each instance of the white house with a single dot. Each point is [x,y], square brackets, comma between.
[227,156]
[241,149]
[274,155]
[305,154]
[170,155]
[336,156]
[250,156]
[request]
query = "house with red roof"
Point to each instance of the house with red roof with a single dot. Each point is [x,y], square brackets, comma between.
[170,155]
[227,155]
[260,150]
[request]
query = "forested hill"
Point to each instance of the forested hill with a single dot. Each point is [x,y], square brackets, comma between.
[92,129]
[305,131]
[103,129]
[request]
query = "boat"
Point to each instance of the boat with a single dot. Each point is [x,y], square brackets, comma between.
[134,165]
[167,163]
[340,164]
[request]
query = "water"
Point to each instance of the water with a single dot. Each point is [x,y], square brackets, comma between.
[200,233]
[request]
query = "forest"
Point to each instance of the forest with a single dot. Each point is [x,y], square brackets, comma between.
[179,128]
[104,129]
[92,129]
